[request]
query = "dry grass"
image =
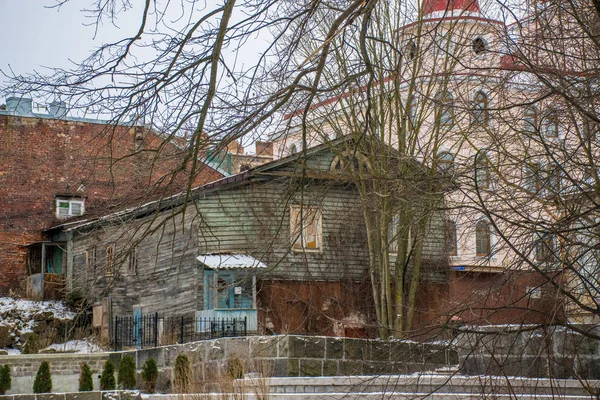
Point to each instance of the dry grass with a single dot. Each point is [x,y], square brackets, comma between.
[235,379]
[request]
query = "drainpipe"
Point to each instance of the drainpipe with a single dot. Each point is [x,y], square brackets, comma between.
[43,268]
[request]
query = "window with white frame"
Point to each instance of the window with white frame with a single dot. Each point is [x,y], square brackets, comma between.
[483,173]
[480,114]
[529,120]
[306,227]
[545,248]
[445,163]
[412,111]
[393,234]
[444,109]
[532,179]
[66,208]
[551,124]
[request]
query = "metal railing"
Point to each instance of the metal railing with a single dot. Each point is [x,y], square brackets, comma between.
[151,330]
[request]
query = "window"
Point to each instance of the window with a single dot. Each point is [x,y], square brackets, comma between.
[444,114]
[410,50]
[553,179]
[479,45]
[445,163]
[132,262]
[532,180]
[110,260]
[306,227]
[450,238]
[529,120]
[483,175]
[481,112]
[412,111]
[293,149]
[90,260]
[69,207]
[393,234]
[534,292]
[551,125]
[545,248]
[347,160]
[483,239]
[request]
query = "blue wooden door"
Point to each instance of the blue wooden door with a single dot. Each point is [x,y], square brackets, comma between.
[219,291]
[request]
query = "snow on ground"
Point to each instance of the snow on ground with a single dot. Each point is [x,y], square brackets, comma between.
[75,346]
[20,317]
[28,308]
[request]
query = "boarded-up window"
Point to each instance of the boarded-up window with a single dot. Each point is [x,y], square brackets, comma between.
[110,260]
[90,260]
[305,227]
[132,262]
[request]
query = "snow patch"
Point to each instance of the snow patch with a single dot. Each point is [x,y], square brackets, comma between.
[75,346]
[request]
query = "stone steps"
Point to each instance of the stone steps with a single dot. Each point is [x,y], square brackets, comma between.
[396,387]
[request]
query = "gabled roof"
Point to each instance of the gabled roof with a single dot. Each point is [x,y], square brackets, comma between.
[259,172]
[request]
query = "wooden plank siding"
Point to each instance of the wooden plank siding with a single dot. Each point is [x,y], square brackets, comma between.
[256,220]
[167,276]
[249,214]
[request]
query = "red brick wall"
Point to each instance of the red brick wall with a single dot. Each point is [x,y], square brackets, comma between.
[40,158]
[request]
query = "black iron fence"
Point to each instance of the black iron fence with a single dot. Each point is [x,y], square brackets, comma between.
[151,330]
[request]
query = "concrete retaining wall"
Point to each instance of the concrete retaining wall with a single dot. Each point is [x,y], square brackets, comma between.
[297,356]
[280,356]
[64,369]
[552,352]
[98,395]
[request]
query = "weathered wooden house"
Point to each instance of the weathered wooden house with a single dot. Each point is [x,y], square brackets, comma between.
[282,244]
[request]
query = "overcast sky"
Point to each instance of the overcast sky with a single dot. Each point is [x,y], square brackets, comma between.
[34,36]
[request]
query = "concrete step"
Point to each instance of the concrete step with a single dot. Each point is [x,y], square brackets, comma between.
[359,396]
[397,387]
[434,383]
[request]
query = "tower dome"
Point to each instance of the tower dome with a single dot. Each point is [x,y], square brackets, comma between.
[450,6]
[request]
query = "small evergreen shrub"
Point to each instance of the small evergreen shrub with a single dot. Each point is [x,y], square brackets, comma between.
[126,376]
[86,384]
[31,345]
[107,379]
[150,375]
[5,380]
[43,380]
[182,373]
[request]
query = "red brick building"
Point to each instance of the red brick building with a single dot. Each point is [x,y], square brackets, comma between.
[53,167]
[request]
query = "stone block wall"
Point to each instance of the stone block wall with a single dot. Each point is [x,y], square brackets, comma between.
[289,356]
[530,352]
[64,369]
[279,356]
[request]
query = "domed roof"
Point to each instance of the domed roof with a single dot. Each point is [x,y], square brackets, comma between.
[431,6]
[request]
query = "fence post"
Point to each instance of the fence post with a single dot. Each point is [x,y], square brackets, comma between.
[234,327]
[245,325]
[155,329]
[116,332]
[181,331]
